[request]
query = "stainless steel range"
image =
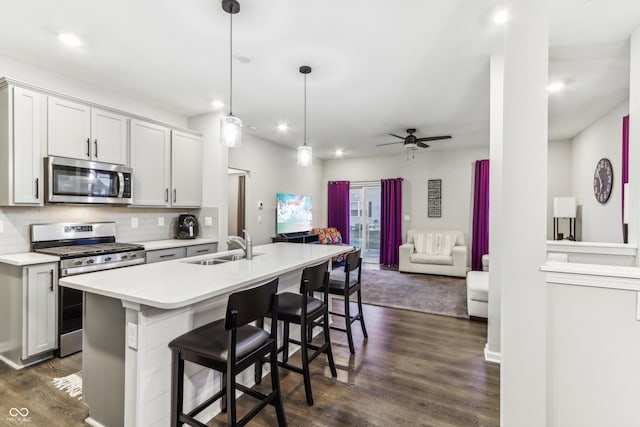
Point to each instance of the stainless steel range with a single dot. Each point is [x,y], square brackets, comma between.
[82,248]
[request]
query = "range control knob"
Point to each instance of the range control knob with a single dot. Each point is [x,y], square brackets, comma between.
[77,263]
[124,256]
[107,258]
[132,256]
[90,261]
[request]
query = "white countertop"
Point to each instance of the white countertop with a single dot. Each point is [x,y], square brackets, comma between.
[178,283]
[27,258]
[174,243]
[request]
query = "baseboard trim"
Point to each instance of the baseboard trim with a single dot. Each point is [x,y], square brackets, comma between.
[492,356]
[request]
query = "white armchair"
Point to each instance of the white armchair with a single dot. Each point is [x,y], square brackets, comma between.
[434,252]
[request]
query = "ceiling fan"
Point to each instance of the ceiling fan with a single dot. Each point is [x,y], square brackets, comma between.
[412,142]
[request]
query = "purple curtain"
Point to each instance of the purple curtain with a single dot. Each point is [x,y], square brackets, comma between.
[625,172]
[391,221]
[338,208]
[480,239]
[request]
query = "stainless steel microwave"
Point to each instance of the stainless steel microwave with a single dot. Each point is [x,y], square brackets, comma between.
[83,181]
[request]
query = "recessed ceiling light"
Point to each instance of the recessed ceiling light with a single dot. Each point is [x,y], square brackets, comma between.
[282,127]
[501,17]
[555,86]
[339,153]
[252,128]
[217,104]
[70,40]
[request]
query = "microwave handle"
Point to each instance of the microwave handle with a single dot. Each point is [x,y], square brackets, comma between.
[120,184]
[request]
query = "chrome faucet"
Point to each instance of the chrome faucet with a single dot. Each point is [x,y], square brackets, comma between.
[245,244]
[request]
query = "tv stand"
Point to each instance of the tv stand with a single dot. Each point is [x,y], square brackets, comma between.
[301,237]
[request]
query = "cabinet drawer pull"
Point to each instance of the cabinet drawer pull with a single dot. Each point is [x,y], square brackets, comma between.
[202,250]
[166,195]
[89,147]
[37,188]
[95,142]
[51,286]
[167,255]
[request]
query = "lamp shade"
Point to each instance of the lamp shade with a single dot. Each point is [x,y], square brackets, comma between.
[230,131]
[305,156]
[564,207]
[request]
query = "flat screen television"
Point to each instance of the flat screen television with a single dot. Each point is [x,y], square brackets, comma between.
[293,213]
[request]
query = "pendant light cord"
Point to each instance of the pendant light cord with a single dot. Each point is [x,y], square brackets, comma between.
[231,64]
[305,109]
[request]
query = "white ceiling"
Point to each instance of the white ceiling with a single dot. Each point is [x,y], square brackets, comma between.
[379,67]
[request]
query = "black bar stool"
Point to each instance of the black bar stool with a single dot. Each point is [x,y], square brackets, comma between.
[230,346]
[345,287]
[303,309]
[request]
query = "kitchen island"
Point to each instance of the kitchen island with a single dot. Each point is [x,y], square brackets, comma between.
[131,314]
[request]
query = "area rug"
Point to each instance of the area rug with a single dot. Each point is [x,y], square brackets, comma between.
[71,384]
[417,292]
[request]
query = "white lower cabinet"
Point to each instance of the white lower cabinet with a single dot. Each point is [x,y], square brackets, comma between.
[41,288]
[28,313]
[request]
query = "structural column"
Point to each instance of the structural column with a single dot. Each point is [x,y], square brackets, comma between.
[634,133]
[523,214]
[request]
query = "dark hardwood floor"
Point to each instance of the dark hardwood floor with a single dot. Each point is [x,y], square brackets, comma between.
[415,369]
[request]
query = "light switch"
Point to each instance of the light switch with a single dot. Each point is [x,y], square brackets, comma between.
[160,221]
[132,335]
[407,217]
[134,222]
[208,221]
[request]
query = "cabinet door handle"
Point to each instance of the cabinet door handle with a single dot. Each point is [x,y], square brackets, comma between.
[37,188]
[166,195]
[95,141]
[175,195]
[89,147]
[51,286]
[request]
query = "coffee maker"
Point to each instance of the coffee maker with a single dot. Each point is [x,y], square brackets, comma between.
[187,227]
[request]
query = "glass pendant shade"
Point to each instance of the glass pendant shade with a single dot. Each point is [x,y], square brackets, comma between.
[230,131]
[304,155]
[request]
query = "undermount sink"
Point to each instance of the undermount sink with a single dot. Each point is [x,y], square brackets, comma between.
[220,259]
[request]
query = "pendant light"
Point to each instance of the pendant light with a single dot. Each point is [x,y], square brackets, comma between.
[230,125]
[304,151]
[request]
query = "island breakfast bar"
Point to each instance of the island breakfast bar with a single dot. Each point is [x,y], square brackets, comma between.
[131,314]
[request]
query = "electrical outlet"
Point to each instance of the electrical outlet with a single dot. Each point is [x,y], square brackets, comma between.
[134,222]
[259,219]
[160,221]
[132,335]
[208,221]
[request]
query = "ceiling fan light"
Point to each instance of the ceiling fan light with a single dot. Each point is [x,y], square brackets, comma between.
[305,155]
[230,131]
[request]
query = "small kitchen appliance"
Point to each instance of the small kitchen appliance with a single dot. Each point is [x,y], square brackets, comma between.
[187,227]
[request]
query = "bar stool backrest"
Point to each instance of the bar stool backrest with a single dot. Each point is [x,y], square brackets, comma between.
[251,304]
[352,262]
[314,278]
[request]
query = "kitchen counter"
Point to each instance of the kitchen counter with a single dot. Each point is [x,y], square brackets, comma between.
[179,283]
[174,243]
[27,258]
[131,315]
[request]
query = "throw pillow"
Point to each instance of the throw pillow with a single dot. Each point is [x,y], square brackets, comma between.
[446,242]
[430,244]
[418,241]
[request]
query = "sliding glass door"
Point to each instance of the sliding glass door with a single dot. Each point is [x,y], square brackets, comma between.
[364,232]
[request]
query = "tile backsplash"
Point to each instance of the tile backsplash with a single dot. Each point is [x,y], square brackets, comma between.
[15,232]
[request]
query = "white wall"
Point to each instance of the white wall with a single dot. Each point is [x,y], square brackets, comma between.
[454,167]
[74,88]
[273,169]
[559,184]
[600,222]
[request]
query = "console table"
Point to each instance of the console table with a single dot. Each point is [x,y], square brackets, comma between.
[295,238]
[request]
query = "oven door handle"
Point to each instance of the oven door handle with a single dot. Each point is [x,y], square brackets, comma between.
[120,184]
[51,286]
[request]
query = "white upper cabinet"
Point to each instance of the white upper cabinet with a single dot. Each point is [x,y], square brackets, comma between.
[151,163]
[22,138]
[78,131]
[186,171]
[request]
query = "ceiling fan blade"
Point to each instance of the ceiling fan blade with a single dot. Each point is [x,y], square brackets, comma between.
[397,136]
[389,143]
[434,138]
[422,144]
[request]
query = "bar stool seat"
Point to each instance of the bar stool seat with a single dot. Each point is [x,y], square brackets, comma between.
[230,346]
[290,305]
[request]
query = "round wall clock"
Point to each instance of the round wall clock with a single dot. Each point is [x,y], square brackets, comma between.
[603,180]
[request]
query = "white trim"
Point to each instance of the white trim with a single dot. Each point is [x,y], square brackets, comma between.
[596,248]
[93,422]
[27,364]
[591,275]
[492,356]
